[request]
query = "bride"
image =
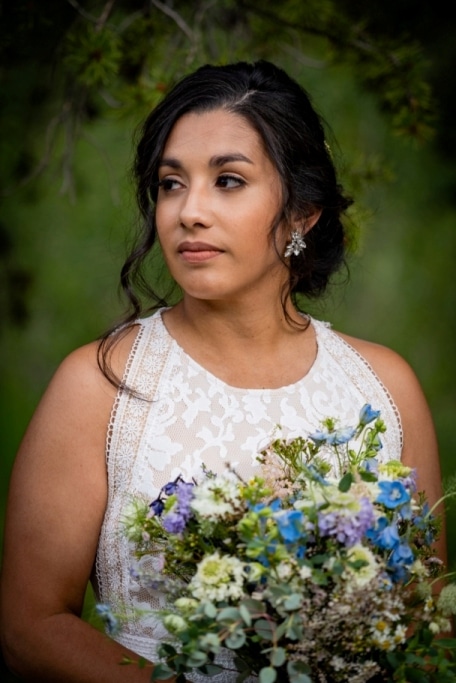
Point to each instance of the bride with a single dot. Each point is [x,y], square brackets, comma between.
[238,190]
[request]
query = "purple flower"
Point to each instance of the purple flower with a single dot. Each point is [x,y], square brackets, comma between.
[393,494]
[184,494]
[176,519]
[367,415]
[174,523]
[346,527]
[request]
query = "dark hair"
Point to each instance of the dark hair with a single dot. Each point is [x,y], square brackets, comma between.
[280,110]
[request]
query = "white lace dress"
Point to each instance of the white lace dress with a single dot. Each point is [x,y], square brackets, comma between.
[193,418]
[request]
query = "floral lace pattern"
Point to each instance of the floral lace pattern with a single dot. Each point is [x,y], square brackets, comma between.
[190,418]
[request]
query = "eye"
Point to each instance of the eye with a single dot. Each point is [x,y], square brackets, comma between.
[229,182]
[169,184]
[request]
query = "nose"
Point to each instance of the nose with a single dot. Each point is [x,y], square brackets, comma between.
[195,208]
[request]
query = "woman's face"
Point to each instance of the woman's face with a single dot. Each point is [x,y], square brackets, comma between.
[218,198]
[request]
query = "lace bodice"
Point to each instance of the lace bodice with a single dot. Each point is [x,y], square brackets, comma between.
[191,418]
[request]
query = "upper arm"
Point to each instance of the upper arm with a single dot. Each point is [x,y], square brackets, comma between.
[58,489]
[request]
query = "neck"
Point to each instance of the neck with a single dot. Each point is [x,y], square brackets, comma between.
[254,321]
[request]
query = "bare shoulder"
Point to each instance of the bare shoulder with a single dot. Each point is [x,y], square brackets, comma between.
[76,406]
[392,369]
[80,375]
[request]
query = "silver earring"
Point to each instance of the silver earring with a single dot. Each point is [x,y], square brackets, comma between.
[296,245]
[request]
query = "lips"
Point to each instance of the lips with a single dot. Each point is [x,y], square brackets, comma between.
[196,252]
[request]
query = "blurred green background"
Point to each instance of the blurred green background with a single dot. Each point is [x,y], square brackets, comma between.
[78,77]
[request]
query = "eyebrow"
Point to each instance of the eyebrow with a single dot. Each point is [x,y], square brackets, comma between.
[215,161]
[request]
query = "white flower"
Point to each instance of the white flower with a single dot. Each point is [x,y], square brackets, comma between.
[400,634]
[419,569]
[186,605]
[174,623]
[215,499]
[360,577]
[284,570]
[338,664]
[218,578]
[305,572]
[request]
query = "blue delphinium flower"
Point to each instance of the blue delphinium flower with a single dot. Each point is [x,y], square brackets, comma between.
[367,415]
[335,437]
[157,506]
[424,523]
[110,621]
[393,494]
[398,562]
[371,465]
[275,505]
[170,488]
[290,524]
[384,535]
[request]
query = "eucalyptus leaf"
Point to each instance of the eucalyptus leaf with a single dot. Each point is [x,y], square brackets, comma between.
[265,629]
[196,659]
[255,607]
[268,674]
[278,656]
[236,640]
[293,602]
[228,614]
[210,610]
[245,614]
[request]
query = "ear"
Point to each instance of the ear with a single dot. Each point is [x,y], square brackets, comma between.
[304,225]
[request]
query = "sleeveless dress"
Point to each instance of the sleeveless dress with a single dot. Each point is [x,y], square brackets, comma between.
[191,418]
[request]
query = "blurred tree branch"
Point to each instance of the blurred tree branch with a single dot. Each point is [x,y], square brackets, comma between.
[122,55]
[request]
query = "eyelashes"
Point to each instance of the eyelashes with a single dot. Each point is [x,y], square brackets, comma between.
[225,181]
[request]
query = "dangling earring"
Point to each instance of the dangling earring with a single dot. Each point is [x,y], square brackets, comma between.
[296,245]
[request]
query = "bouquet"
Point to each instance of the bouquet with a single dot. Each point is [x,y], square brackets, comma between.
[301,574]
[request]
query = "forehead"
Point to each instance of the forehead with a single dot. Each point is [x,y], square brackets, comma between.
[214,132]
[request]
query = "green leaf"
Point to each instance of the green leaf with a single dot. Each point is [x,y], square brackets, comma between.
[294,668]
[415,676]
[449,643]
[255,607]
[235,640]
[196,659]
[278,656]
[346,482]
[268,674]
[161,672]
[211,669]
[167,650]
[292,603]
[245,614]
[210,610]
[228,614]
[265,629]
